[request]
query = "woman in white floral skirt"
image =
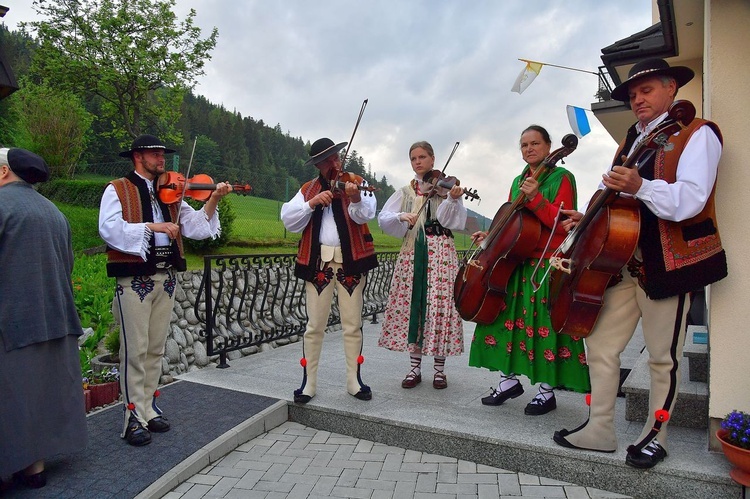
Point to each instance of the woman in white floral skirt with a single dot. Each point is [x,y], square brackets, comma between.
[421,317]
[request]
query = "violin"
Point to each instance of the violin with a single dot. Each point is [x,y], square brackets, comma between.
[171,187]
[340,179]
[441,183]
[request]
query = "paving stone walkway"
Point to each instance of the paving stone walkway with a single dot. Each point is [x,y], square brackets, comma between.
[295,461]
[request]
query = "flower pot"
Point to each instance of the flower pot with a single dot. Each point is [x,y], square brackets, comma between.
[103,362]
[738,456]
[104,394]
[87,400]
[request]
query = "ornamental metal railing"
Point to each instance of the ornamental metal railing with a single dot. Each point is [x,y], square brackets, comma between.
[248,300]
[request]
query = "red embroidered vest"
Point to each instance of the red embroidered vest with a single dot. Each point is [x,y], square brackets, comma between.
[679,257]
[357,248]
[136,208]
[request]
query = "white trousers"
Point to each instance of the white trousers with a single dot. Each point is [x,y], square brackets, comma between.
[143,308]
[320,297]
[663,323]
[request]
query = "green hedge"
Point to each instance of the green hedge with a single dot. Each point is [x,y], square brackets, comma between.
[87,193]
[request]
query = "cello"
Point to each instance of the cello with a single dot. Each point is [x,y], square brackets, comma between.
[604,240]
[482,280]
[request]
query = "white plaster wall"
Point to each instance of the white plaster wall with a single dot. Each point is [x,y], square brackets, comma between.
[727,94]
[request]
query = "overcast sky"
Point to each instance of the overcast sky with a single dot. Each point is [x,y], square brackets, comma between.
[435,70]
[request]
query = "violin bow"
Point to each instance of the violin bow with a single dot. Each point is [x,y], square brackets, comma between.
[434,187]
[356,125]
[184,186]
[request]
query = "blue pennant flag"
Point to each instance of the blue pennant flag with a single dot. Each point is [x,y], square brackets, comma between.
[579,123]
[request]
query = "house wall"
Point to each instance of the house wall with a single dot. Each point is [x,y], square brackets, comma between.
[727,79]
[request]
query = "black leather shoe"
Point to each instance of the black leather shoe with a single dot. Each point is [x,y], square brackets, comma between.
[559,438]
[136,434]
[363,394]
[537,407]
[158,425]
[35,481]
[301,398]
[498,397]
[646,458]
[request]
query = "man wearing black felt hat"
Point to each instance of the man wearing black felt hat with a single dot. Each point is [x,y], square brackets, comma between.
[42,411]
[679,251]
[335,252]
[144,251]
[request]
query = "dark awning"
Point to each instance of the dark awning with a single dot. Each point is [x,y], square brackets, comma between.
[8,83]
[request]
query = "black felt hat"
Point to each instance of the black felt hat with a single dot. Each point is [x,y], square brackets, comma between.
[322,149]
[27,165]
[649,68]
[143,142]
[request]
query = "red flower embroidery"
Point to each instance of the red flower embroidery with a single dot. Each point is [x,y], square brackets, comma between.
[543,332]
[582,358]
[529,331]
[509,347]
[489,340]
[531,355]
[522,346]
[563,352]
[509,325]
[520,323]
[549,355]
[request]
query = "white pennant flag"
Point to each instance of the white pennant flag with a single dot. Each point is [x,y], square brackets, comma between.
[527,76]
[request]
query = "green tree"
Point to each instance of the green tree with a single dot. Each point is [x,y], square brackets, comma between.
[51,123]
[207,157]
[135,55]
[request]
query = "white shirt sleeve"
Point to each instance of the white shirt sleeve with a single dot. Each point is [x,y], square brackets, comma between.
[452,213]
[695,178]
[365,210]
[296,213]
[194,224]
[130,238]
[388,216]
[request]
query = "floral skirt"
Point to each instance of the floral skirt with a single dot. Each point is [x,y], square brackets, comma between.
[522,340]
[443,332]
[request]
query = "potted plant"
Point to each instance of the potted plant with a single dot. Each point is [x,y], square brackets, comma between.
[111,359]
[103,387]
[734,437]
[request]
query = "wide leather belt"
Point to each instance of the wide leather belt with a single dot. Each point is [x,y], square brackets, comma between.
[163,257]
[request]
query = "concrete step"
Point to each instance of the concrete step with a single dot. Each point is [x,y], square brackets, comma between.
[696,351]
[691,409]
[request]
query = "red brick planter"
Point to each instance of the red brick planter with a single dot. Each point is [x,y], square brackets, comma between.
[87,400]
[104,394]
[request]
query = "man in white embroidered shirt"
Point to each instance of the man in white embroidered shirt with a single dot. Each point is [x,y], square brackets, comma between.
[144,250]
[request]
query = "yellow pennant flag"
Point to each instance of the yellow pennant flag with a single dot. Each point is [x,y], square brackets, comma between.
[527,76]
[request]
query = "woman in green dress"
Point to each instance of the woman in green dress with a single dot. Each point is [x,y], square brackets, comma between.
[521,341]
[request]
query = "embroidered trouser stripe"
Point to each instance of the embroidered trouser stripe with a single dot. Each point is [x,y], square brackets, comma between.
[665,346]
[143,307]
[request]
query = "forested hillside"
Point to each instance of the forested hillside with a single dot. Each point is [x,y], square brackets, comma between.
[227,145]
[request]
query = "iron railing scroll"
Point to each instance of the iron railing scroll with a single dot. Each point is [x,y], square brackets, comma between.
[248,300]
